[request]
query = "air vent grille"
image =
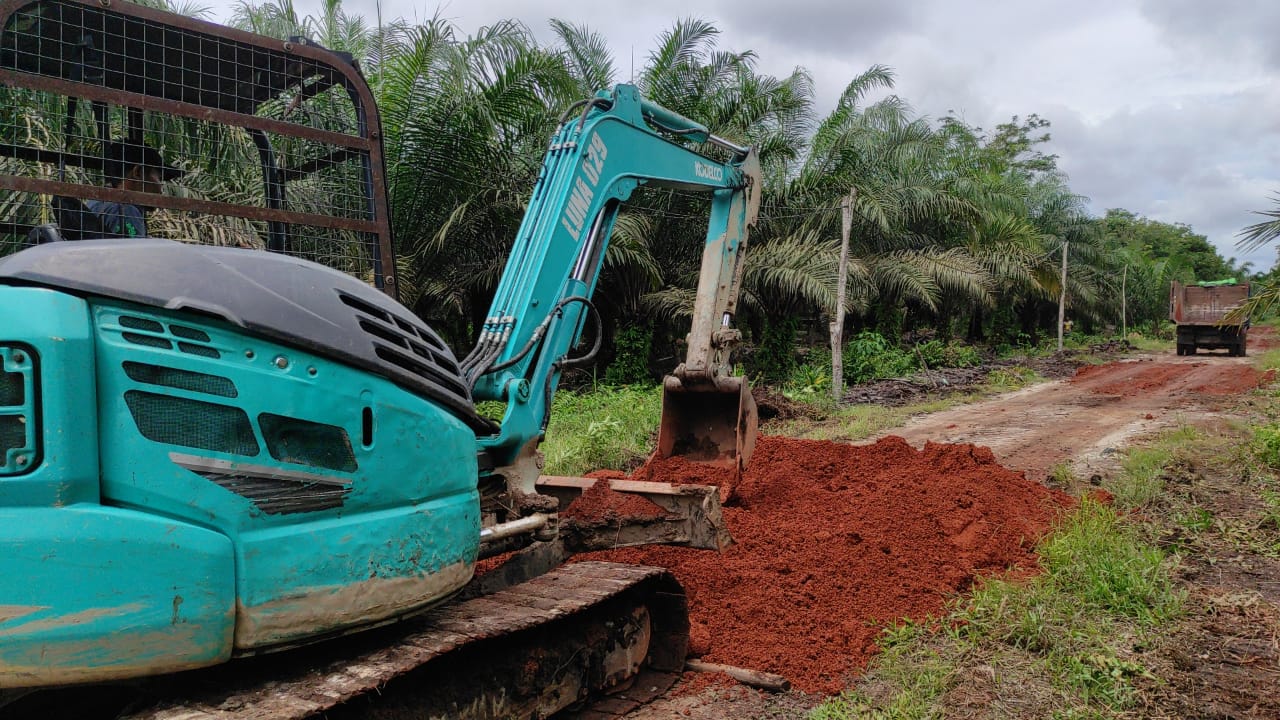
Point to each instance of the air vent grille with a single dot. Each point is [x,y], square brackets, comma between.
[13,434]
[307,443]
[181,379]
[408,346]
[12,389]
[152,333]
[192,423]
[19,413]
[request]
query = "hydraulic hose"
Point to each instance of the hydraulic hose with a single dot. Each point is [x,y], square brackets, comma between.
[566,362]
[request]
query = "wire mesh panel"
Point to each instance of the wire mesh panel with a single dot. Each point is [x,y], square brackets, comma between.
[124,121]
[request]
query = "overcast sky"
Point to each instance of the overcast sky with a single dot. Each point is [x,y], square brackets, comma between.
[1167,108]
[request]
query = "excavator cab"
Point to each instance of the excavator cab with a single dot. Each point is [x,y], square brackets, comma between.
[279,140]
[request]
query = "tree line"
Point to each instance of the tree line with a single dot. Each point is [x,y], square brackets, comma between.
[955,231]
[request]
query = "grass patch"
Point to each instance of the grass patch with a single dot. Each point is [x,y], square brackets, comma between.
[1148,343]
[608,427]
[918,673]
[1146,468]
[1269,360]
[1062,476]
[1012,378]
[1097,559]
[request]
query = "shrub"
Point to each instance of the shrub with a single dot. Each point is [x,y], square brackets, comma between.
[937,354]
[868,356]
[807,382]
[630,364]
[775,357]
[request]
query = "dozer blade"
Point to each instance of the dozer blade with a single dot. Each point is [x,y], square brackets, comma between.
[714,424]
[691,515]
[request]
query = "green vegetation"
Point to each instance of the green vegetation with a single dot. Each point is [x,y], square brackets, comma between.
[607,427]
[1159,342]
[1264,301]
[869,356]
[937,354]
[1012,378]
[1269,360]
[1146,468]
[957,230]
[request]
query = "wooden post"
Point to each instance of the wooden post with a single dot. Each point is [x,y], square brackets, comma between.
[842,281]
[1124,310]
[1062,297]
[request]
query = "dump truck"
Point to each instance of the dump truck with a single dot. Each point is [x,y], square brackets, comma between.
[1203,314]
[238,478]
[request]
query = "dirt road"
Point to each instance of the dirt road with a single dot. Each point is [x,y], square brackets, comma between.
[1083,420]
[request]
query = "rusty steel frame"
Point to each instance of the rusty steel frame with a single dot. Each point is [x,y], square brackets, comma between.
[71,88]
[211,207]
[356,85]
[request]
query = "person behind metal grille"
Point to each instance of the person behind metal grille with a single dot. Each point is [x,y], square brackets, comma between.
[136,167]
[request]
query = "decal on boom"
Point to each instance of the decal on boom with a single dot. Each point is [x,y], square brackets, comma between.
[584,190]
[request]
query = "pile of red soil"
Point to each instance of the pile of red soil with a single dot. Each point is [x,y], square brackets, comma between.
[1240,379]
[1127,379]
[834,541]
[1129,383]
[600,503]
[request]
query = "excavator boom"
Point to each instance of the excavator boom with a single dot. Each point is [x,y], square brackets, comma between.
[618,143]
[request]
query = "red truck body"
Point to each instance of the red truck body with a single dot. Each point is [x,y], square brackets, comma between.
[1201,313]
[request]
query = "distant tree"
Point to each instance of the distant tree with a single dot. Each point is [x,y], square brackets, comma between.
[1190,255]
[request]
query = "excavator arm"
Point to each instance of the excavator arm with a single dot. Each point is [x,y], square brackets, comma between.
[616,143]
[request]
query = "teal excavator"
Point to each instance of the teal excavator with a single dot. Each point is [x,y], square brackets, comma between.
[238,444]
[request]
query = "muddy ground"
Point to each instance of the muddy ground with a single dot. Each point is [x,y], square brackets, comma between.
[1084,419]
[1223,659]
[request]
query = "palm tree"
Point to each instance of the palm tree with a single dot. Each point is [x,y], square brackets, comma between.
[1261,233]
[888,162]
[466,122]
[1253,237]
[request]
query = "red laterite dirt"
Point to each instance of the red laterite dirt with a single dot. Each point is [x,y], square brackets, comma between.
[599,503]
[1132,379]
[834,541]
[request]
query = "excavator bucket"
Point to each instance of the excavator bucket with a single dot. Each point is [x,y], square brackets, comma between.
[712,424]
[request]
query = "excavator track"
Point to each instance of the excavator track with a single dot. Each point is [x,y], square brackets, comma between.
[561,640]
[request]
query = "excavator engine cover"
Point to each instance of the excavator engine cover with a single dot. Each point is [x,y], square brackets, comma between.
[714,424]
